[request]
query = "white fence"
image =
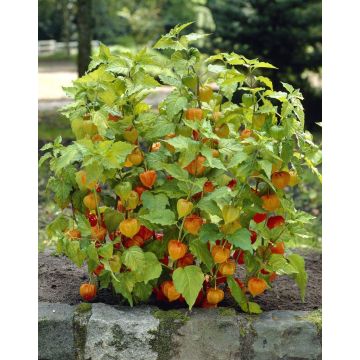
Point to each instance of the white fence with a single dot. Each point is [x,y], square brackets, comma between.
[50,47]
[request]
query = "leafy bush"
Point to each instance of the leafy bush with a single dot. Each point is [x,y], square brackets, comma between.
[172,201]
[287,33]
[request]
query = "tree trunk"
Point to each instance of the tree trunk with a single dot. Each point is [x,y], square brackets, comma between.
[84,21]
[66,27]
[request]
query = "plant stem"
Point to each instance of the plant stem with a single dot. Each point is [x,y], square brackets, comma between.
[215,275]
[97,208]
[181,228]
[279,234]
[73,212]
[116,202]
[168,267]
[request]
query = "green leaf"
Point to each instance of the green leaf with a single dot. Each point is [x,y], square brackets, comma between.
[58,225]
[94,171]
[194,36]
[301,277]
[142,291]
[179,27]
[266,166]
[75,254]
[209,232]
[287,150]
[212,202]
[279,95]
[241,239]
[92,253]
[161,128]
[100,120]
[106,251]
[123,284]
[266,65]
[201,251]
[266,81]
[116,155]
[61,189]
[288,87]
[167,43]
[118,66]
[236,291]
[188,282]
[214,58]
[169,80]
[123,189]
[69,155]
[175,103]
[212,162]
[154,202]
[241,299]
[144,80]
[161,217]
[182,143]
[217,69]
[47,146]
[254,308]
[45,157]
[233,79]
[83,225]
[112,219]
[280,265]
[176,171]
[152,268]
[134,258]
[104,279]
[237,159]
[170,189]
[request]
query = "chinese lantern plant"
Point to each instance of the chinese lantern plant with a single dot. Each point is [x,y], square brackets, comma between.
[173,200]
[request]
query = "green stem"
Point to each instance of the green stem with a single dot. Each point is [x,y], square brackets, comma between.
[181,228]
[215,275]
[116,202]
[279,234]
[168,267]
[197,86]
[97,208]
[73,212]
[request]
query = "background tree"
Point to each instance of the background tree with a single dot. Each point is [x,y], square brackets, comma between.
[50,20]
[84,23]
[286,33]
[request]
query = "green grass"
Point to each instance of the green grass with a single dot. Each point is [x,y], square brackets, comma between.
[52,125]
[59,56]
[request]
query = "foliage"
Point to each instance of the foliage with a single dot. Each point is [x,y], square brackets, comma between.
[286,33]
[50,21]
[166,200]
[134,23]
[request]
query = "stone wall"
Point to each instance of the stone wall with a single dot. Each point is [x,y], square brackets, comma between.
[104,332]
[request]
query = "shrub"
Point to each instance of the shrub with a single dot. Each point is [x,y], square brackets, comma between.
[172,201]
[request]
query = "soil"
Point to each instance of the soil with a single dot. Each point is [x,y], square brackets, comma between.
[59,281]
